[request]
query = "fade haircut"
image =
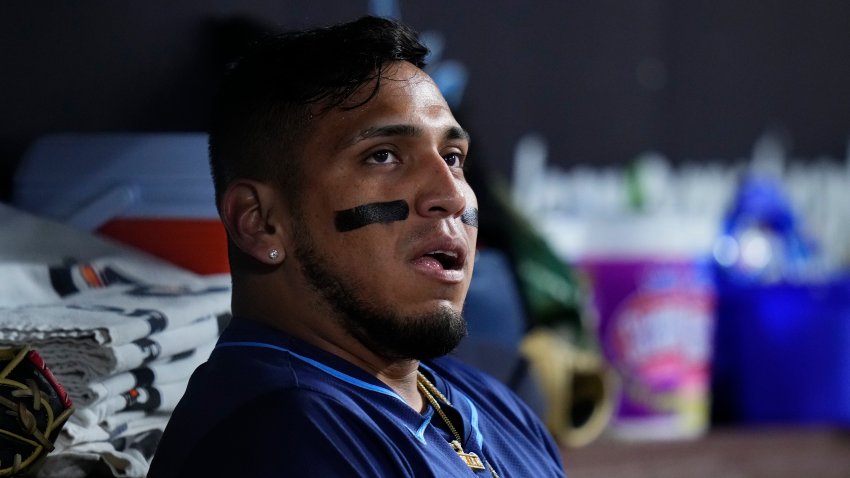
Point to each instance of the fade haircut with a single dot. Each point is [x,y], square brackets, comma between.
[263,111]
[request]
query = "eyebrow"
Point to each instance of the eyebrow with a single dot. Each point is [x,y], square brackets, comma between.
[451,133]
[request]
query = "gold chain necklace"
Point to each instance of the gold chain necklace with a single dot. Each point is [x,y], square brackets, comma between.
[430,391]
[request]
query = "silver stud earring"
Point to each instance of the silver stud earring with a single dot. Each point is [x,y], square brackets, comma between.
[274,254]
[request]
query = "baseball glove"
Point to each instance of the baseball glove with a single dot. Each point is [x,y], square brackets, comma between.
[33,409]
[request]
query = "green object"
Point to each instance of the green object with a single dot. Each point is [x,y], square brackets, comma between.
[551,289]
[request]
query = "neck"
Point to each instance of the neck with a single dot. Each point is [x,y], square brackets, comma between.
[398,374]
[318,327]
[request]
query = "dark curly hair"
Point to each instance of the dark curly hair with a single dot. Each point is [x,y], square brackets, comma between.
[267,98]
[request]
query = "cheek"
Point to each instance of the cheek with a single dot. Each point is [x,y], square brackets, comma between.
[472,232]
[469,195]
[367,247]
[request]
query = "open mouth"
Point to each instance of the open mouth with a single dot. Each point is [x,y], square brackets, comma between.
[449,260]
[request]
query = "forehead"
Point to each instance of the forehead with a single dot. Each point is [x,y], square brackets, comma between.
[405,96]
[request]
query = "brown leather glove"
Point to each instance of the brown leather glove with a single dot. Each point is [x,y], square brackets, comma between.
[33,409]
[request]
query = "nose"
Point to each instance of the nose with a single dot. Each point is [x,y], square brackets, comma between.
[441,192]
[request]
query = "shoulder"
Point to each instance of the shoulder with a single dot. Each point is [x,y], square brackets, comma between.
[471,381]
[295,430]
[301,432]
[295,413]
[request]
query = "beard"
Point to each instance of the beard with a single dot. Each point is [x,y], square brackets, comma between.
[380,329]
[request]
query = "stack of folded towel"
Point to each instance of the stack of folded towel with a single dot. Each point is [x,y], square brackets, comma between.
[122,335]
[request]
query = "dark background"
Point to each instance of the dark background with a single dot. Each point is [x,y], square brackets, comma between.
[601,80]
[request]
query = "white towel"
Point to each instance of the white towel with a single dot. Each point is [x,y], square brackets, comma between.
[89,325]
[90,459]
[80,430]
[25,284]
[167,370]
[116,314]
[132,428]
[160,398]
[83,427]
[95,309]
[125,442]
[118,421]
[29,283]
[72,359]
[71,277]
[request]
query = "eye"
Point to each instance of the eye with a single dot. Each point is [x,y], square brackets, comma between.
[382,157]
[454,160]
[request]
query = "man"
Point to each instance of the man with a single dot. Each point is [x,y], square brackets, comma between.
[339,178]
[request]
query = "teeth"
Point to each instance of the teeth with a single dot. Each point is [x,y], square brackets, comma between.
[451,254]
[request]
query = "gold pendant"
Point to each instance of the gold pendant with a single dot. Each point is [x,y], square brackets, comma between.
[471,460]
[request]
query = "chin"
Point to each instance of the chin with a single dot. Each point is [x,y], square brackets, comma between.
[421,334]
[437,307]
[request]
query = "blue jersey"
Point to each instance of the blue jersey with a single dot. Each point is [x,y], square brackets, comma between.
[267,404]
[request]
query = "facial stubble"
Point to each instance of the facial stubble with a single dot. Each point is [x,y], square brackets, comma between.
[379,328]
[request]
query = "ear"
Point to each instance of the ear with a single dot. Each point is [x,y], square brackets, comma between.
[252,215]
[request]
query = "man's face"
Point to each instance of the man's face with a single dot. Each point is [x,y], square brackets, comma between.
[397,283]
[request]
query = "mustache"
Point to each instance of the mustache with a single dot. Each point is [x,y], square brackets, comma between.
[385,213]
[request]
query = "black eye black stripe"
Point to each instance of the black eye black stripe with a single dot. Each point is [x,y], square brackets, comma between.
[373,213]
[470,217]
[385,213]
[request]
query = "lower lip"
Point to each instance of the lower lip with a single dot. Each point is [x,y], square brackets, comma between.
[431,267]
